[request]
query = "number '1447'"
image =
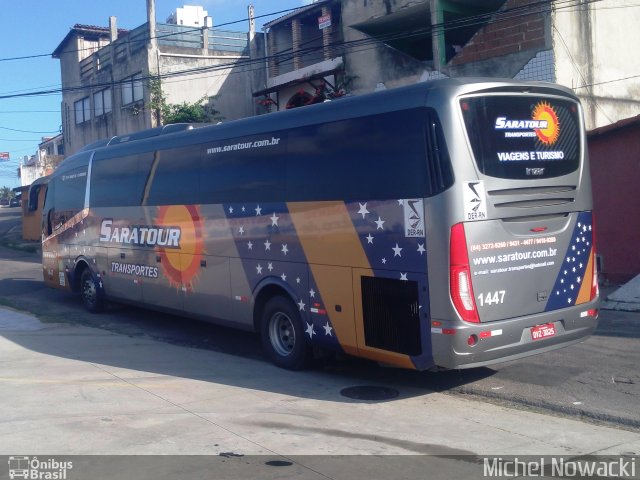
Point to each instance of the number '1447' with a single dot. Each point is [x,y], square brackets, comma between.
[491,298]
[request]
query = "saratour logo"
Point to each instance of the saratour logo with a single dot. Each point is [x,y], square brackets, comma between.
[545,113]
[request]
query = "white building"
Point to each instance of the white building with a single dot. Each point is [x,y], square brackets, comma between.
[108,75]
[29,170]
[189,16]
[595,55]
[50,153]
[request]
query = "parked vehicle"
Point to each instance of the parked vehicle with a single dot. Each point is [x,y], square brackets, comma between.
[446,224]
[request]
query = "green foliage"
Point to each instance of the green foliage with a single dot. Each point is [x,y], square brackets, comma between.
[198,112]
[7,194]
[201,111]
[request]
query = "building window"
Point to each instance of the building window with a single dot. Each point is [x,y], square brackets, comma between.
[132,89]
[83,110]
[102,102]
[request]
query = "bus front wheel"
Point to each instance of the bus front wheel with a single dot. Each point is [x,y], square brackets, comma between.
[282,335]
[91,293]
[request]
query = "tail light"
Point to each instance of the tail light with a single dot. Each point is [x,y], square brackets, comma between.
[460,286]
[594,267]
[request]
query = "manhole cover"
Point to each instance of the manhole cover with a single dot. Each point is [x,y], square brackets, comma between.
[369,392]
[278,463]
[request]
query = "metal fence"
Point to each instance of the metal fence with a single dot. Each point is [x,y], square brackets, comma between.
[167,35]
[193,37]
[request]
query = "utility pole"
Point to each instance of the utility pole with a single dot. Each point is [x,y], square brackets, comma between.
[253,53]
[151,19]
[113,36]
[153,56]
[437,34]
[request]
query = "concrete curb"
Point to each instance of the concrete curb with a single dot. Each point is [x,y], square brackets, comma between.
[626,298]
[620,306]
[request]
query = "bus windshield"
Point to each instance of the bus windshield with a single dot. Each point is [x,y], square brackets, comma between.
[523,137]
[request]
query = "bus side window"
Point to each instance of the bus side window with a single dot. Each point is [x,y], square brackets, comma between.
[69,195]
[34,196]
[129,173]
[47,210]
[174,177]
[359,158]
[49,222]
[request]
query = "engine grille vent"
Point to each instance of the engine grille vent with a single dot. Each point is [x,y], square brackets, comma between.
[391,315]
[533,197]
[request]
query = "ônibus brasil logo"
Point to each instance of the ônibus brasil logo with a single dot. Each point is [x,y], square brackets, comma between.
[544,112]
[34,468]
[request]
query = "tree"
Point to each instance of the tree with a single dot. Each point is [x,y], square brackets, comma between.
[7,194]
[166,113]
[197,112]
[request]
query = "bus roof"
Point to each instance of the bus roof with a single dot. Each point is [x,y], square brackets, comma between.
[401,98]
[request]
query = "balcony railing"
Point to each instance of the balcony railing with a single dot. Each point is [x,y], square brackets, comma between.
[181,36]
[311,52]
[167,35]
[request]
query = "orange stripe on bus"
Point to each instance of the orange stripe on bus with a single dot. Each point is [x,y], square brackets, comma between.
[327,234]
[330,242]
[333,250]
[69,224]
[585,289]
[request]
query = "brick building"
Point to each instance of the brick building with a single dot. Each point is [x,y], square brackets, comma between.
[332,47]
[512,35]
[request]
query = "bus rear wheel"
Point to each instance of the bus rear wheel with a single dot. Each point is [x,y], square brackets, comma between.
[90,292]
[283,336]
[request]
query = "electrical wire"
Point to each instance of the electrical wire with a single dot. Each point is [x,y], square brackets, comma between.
[27,111]
[288,54]
[146,39]
[584,81]
[608,81]
[18,140]
[26,131]
[353,46]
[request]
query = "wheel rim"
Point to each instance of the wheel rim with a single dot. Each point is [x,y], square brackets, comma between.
[89,291]
[282,334]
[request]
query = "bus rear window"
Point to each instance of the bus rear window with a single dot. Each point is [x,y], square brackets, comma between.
[523,137]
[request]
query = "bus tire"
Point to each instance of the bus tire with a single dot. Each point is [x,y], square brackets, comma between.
[283,336]
[90,292]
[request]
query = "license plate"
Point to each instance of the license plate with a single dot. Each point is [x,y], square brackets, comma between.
[543,331]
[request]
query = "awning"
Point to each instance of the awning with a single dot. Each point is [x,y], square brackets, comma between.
[298,81]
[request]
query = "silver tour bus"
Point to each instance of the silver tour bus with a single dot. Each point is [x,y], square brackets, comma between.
[445,224]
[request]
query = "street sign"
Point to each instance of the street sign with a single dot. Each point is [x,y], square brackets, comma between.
[4,156]
[324,21]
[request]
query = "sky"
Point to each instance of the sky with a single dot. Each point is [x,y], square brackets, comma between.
[36,27]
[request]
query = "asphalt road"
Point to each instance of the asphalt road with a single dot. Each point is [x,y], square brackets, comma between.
[597,380]
[10,217]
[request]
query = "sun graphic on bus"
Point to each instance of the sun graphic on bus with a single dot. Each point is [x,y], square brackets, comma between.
[181,265]
[544,111]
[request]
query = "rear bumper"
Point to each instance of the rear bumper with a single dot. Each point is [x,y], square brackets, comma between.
[511,339]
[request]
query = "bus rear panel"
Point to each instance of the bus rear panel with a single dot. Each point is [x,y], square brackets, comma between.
[522,272]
